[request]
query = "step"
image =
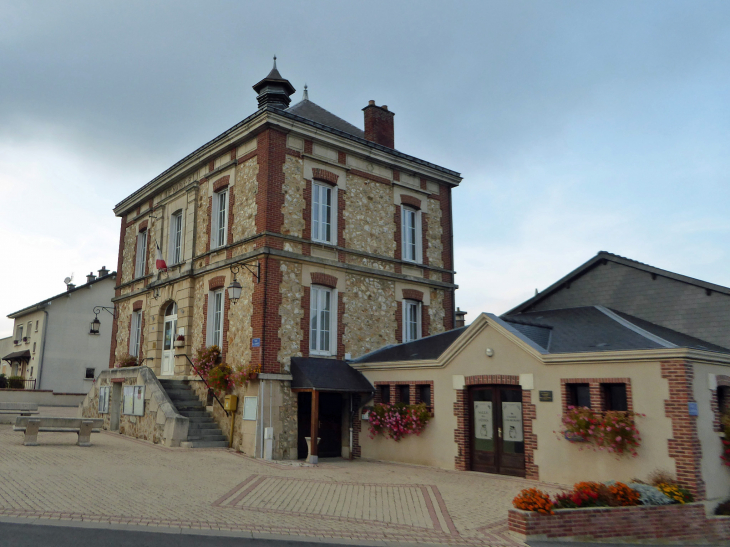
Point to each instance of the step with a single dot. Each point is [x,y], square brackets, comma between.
[211,438]
[204,444]
[180,393]
[196,421]
[194,413]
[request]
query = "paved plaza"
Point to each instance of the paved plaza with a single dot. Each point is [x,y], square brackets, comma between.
[124,481]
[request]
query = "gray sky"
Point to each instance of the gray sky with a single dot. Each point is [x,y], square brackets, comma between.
[577,126]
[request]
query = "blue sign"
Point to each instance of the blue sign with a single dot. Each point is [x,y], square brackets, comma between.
[256,342]
[692,407]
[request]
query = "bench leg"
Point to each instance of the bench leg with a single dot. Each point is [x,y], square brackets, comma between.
[85,433]
[31,433]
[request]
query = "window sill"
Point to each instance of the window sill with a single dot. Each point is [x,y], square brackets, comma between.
[313,353]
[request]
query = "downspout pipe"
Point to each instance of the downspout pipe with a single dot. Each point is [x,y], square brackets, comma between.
[43,348]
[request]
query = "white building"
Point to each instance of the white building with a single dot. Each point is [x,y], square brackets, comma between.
[52,348]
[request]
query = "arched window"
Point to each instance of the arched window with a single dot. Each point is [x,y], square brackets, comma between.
[171,309]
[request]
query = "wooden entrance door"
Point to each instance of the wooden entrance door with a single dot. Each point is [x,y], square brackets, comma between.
[497,441]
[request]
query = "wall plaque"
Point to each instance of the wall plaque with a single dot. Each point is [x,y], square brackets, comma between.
[546,396]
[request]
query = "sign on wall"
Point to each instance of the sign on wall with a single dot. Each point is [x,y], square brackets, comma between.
[512,422]
[546,396]
[483,428]
[104,400]
[133,401]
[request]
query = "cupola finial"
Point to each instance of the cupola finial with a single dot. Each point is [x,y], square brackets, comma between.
[274,90]
[306,93]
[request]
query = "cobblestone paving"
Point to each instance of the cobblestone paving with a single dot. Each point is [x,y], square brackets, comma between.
[122,480]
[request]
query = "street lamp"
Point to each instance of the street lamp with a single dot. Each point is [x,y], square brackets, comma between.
[235,288]
[96,324]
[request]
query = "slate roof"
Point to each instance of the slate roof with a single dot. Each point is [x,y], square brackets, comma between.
[311,111]
[327,375]
[430,347]
[597,329]
[600,258]
[18,356]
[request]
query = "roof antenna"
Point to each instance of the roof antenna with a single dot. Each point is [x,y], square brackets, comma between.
[306,93]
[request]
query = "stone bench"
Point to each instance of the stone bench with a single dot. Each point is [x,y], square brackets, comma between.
[83,427]
[9,410]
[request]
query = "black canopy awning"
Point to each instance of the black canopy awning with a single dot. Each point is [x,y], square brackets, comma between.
[18,356]
[327,375]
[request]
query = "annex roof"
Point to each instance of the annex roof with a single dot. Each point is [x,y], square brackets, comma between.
[18,356]
[327,375]
[599,329]
[430,347]
[601,258]
[42,303]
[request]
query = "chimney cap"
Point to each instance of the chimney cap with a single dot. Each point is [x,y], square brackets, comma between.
[371,103]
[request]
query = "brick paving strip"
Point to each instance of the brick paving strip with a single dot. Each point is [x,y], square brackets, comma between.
[122,482]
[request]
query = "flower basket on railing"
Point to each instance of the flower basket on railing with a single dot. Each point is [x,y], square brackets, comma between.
[179,341]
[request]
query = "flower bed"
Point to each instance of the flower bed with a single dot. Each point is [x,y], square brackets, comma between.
[679,522]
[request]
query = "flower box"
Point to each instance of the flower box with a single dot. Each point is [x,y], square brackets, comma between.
[684,522]
[179,343]
[574,437]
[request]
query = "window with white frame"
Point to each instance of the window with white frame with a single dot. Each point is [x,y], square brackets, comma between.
[140,260]
[215,318]
[135,333]
[19,334]
[322,315]
[411,234]
[219,222]
[411,320]
[324,213]
[175,245]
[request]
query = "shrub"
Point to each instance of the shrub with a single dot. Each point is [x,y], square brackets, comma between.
[676,492]
[16,382]
[650,495]
[398,420]
[219,377]
[532,499]
[3,381]
[723,508]
[127,360]
[622,495]
[660,476]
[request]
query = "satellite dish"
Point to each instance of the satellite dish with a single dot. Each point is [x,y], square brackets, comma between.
[69,279]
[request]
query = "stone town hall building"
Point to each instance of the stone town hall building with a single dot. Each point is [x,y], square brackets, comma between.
[353,240]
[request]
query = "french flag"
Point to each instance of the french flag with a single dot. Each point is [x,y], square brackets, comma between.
[160,262]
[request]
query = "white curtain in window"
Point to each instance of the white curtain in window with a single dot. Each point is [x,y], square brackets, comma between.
[320,318]
[176,238]
[411,320]
[139,267]
[411,235]
[321,213]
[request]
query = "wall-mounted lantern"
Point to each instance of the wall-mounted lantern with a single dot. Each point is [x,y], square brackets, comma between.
[235,288]
[96,324]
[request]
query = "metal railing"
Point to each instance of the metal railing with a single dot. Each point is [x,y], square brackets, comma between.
[210,389]
[13,384]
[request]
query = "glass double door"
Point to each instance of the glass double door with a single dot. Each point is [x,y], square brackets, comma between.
[497,437]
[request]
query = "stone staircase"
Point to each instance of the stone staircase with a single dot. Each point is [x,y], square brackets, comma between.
[203,431]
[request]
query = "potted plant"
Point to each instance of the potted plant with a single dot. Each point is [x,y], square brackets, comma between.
[25,339]
[579,424]
[127,361]
[179,341]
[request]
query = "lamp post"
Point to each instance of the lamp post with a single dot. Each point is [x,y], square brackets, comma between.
[235,288]
[96,324]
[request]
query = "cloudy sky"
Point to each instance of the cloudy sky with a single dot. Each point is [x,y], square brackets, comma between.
[577,126]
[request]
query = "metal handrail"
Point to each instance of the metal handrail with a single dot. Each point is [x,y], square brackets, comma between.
[210,389]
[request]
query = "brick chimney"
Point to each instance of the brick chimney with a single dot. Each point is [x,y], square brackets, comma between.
[103,271]
[91,277]
[379,124]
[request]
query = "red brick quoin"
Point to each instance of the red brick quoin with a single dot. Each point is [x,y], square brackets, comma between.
[462,433]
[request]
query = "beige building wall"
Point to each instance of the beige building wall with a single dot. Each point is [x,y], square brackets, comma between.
[557,459]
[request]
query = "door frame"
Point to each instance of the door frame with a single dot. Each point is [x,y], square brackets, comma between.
[168,354]
[498,466]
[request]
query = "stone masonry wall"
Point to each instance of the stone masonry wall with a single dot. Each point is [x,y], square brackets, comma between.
[436,312]
[124,311]
[291,312]
[203,236]
[246,187]
[434,232]
[128,259]
[239,324]
[199,312]
[293,189]
[369,210]
[370,314]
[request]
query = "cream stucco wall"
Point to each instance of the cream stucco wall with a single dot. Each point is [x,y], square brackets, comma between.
[557,459]
[715,474]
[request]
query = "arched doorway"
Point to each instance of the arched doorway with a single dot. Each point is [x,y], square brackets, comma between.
[169,333]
